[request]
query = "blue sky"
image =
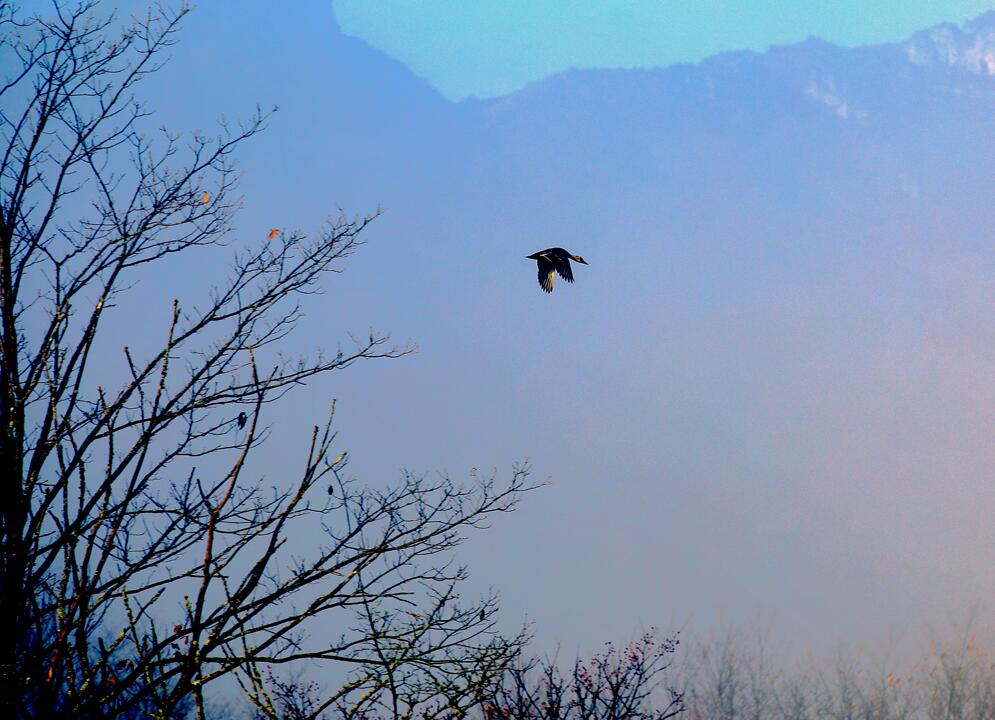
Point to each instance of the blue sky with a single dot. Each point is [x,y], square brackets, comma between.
[492,47]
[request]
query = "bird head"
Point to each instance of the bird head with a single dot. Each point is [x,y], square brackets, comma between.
[578,258]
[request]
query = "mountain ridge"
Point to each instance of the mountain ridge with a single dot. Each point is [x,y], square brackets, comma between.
[969,46]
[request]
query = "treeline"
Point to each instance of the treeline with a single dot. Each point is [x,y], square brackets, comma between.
[734,678]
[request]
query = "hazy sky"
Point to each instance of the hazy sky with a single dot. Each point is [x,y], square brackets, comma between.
[491,47]
[777,417]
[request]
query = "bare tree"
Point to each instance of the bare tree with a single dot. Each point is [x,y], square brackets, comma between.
[615,684]
[141,563]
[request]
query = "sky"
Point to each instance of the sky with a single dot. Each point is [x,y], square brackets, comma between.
[492,47]
[766,421]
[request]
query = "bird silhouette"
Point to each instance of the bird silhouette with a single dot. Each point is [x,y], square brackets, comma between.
[553,262]
[242,419]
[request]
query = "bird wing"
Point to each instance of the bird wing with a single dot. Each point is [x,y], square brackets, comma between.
[562,266]
[547,273]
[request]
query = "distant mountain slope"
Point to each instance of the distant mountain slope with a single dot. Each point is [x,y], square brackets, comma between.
[768,118]
[971,47]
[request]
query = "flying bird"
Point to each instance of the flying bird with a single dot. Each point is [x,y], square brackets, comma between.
[552,262]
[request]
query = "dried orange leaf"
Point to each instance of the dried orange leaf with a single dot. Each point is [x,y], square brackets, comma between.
[206,198]
[273,233]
